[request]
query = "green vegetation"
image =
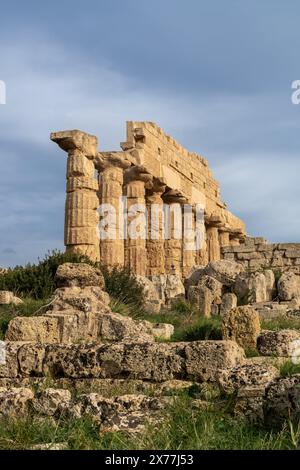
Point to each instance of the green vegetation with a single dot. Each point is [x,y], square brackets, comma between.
[182,428]
[281,323]
[123,287]
[37,280]
[289,368]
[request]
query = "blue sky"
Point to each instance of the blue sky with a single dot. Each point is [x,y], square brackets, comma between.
[216,75]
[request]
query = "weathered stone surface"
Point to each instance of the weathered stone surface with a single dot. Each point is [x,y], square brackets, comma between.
[270,284]
[201,298]
[282,400]
[78,275]
[283,343]
[8,297]
[162,330]
[9,366]
[289,286]
[205,358]
[249,403]
[247,375]
[229,301]
[15,401]
[39,329]
[153,301]
[224,271]
[242,325]
[51,402]
[270,310]
[251,287]
[157,362]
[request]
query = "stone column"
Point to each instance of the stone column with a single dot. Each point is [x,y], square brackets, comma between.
[82,202]
[155,240]
[111,167]
[224,237]
[136,180]
[173,245]
[188,251]
[213,246]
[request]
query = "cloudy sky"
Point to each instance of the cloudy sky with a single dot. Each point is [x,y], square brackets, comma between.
[216,75]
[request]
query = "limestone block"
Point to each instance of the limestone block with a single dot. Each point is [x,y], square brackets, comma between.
[270,284]
[6,297]
[163,331]
[242,325]
[79,275]
[51,402]
[15,401]
[249,404]
[38,329]
[289,286]
[9,366]
[251,287]
[204,359]
[213,285]
[202,299]
[229,301]
[282,401]
[246,375]
[30,357]
[224,271]
[153,300]
[282,343]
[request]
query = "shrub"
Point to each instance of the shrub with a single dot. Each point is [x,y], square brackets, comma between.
[37,280]
[201,329]
[123,287]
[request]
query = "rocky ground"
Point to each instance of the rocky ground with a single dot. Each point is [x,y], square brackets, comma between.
[221,370]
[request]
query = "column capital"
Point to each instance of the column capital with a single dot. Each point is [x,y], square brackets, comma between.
[138,173]
[174,196]
[76,140]
[105,160]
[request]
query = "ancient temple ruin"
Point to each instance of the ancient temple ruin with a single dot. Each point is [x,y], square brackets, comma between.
[152,168]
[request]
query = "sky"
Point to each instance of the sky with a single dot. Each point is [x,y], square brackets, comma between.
[215,75]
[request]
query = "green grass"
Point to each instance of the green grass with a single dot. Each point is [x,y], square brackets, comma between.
[289,368]
[281,323]
[182,428]
[28,308]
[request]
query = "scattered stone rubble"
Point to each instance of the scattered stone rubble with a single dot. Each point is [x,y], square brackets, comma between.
[87,352]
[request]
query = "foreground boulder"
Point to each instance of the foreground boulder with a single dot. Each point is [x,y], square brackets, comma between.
[80,311]
[224,271]
[241,324]
[79,275]
[282,401]
[247,375]
[282,343]
[255,287]
[156,362]
[289,286]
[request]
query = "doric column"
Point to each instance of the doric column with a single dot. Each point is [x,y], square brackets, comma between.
[224,236]
[136,180]
[82,202]
[155,240]
[173,244]
[111,167]
[188,240]
[213,224]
